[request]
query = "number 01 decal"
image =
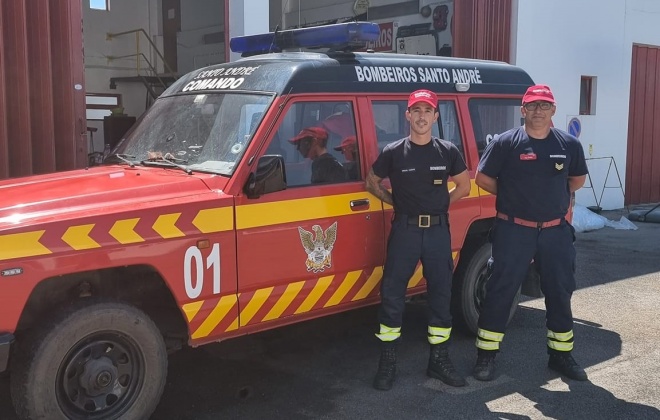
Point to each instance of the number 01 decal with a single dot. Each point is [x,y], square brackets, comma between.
[193,270]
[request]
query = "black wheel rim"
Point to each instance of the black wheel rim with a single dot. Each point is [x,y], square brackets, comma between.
[100,377]
[480,287]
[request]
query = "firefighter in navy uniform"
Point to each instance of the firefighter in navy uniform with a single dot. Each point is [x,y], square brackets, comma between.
[418,167]
[533,170]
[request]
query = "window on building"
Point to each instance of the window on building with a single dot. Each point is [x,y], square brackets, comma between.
[99,4]
[587,95]
[99,105]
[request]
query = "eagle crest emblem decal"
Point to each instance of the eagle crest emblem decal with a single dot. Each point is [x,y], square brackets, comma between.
[318,246]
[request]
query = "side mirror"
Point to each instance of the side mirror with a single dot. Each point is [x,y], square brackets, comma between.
[269,177]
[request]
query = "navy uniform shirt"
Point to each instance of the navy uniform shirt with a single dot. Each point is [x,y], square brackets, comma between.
[326,168]
[532,174]
[418,174]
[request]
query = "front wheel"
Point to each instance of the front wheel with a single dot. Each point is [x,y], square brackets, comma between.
[93,361]
[470,288]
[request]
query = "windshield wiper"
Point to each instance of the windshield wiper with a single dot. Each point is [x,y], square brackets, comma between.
[157,159]
[123,158]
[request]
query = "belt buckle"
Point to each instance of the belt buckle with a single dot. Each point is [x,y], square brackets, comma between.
[424,221]
[539,225]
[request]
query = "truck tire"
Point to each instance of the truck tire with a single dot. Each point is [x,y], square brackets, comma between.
[470,288]
[99,360]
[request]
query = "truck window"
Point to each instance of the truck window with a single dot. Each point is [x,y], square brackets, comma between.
[205,132]
[490,117]
[310,160]
[391,123]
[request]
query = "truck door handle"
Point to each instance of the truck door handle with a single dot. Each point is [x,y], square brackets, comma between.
[359,204]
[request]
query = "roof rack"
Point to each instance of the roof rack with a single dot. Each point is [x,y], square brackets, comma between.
[347,36]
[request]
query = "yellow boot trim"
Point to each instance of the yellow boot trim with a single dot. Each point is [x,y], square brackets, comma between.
[388,333]
[487,345]
[566,336]
[560,345]
[490,335]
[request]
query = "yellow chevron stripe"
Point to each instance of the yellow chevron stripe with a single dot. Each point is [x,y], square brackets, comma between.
[214,220]
[344,287]
[265,214]
[77,237]
[254,305]
[124,231]
[165,226]
[19,245]
[284,301]
[191,309]
[314,295]
[416,277]
[218,314]
[369,285]
[233,326]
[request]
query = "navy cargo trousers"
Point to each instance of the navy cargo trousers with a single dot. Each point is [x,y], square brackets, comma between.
[407,245]
[514,247]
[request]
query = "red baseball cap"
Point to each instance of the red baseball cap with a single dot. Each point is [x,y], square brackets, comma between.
[315,132]
[425,96]
[538,93]
[348,141]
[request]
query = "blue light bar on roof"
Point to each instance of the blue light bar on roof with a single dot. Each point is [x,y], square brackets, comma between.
[338,36]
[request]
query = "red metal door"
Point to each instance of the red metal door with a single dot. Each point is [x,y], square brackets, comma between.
[643,157]
[482,29]
[42,96]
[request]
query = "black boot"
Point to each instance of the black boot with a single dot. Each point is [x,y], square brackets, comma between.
[440,366]
[564,363]
[386,368]
[484,369]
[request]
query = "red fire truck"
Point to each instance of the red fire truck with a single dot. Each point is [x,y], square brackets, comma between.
[204,223]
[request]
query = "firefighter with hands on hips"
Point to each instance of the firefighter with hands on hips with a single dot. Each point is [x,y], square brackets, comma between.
[533,170]
[418,167]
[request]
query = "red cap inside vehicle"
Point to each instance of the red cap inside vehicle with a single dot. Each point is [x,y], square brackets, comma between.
[425,96]
[348,141]
[538,93]
[315,132]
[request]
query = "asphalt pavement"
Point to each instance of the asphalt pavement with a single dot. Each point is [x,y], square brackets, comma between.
[322,369]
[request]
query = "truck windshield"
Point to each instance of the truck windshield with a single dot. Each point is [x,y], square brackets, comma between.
[206,132]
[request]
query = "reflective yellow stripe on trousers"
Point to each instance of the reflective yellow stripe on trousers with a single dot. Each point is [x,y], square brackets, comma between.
[438,335]
[388,333]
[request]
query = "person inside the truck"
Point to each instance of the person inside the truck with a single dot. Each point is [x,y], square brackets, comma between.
[339,125]
[348,148]
[311,143]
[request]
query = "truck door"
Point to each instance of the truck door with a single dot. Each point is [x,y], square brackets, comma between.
[316,247]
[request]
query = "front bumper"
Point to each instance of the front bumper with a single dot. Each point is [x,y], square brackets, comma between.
[5,342]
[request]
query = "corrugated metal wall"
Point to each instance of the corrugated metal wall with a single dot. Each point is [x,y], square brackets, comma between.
[643,157]
[42,96]
[482,29]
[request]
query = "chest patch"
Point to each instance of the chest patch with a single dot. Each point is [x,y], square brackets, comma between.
[438,168]
[528,156]
[559,166]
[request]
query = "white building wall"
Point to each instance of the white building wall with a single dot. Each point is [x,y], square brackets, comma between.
[247,18]
[198,19]
[559,41]
[124,15]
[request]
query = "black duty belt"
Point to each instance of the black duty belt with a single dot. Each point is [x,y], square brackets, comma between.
[426,220]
